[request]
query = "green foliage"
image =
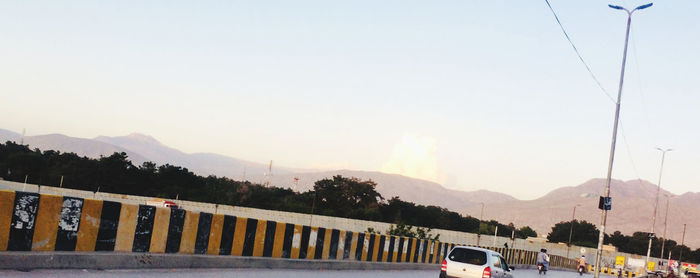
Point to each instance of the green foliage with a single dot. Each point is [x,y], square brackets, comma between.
[584,233]
[402,229]
[526,232]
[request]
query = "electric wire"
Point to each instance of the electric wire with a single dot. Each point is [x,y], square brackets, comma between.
[588,68]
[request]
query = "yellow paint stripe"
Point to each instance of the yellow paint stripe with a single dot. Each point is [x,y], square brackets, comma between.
[239,236]
[279,240]
[311,251]
[7,203]
[296,242]
[353,246]
[189,232]
[326,244]
[385,251]
[375,252]
[259,238]
[46,224]
[217,226]
[89,225]
[413,250]
[365,247]
[159,238]
[127,226]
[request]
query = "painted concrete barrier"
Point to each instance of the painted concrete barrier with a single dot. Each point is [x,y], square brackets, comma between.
[42,222]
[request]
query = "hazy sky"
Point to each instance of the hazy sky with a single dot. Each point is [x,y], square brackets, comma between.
[471,94]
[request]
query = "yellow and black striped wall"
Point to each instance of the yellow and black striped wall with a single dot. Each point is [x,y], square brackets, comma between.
[42,222]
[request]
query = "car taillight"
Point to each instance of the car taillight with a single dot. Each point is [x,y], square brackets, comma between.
[443,267]
[486,273]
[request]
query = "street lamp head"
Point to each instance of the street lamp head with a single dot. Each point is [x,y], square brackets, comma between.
[616,7]
[644,6]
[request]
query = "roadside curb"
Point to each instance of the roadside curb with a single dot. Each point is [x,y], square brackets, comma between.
[78,260]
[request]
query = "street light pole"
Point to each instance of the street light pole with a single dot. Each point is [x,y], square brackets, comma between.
[663,241]
[478,231]
[604,214]
[658,191]
[571,231]
[680,256]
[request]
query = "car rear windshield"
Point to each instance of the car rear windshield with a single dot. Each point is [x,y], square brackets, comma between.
[468,256]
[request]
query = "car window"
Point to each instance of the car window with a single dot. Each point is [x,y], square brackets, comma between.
[504,265]
[496,261]
[468,256]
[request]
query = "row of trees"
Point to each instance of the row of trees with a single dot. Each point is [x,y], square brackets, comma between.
[586,234]
[338,196]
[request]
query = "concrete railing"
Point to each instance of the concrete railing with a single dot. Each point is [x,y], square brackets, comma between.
[341,224]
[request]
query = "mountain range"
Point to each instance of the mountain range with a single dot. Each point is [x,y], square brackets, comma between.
[633,201]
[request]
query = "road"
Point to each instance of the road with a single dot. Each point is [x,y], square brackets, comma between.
[245,273]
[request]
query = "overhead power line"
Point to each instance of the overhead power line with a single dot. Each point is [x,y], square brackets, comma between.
[577,53]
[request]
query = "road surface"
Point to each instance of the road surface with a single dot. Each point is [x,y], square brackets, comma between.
[245,273]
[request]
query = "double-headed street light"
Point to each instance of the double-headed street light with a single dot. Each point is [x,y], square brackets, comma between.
[658,191]
[604,216]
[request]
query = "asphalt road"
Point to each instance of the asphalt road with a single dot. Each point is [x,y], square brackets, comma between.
[244,273]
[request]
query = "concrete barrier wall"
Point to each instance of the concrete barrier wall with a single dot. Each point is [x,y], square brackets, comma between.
[351,225]
[44,222]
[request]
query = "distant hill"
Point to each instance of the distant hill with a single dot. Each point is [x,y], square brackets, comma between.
[632,200]
[632,209]
[200,163]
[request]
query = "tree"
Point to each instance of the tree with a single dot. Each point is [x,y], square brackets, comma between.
[525,232]
[584,233]
[347,197]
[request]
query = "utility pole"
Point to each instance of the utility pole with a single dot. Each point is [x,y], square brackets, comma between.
[571,231]
[663,241]
[658,191]
[604,214]
[478,231]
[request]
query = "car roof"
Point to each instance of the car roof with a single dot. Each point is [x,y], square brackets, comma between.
[476,248]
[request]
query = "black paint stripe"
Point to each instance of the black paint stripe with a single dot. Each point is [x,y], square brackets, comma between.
[227,232]
[360,246]
[144,228]
[288,236]
[109,222]
[409,250]
[201,242]
[320,236]
[333,251]
[269,238]
[23,221]
[390,256]
[370,247]
[437,254]
[400,253]
[425,251]
[305,232]
[380,253]
[67,234]
[177,222]
[347,248]
[249,240]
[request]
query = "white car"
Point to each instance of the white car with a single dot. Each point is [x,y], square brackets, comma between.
[473,262]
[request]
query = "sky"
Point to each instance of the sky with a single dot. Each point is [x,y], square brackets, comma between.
[469,94]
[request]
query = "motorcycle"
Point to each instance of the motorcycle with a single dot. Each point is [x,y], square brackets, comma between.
[581,270]
[541,268]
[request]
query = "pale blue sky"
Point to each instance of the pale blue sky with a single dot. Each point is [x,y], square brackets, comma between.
[492,89]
